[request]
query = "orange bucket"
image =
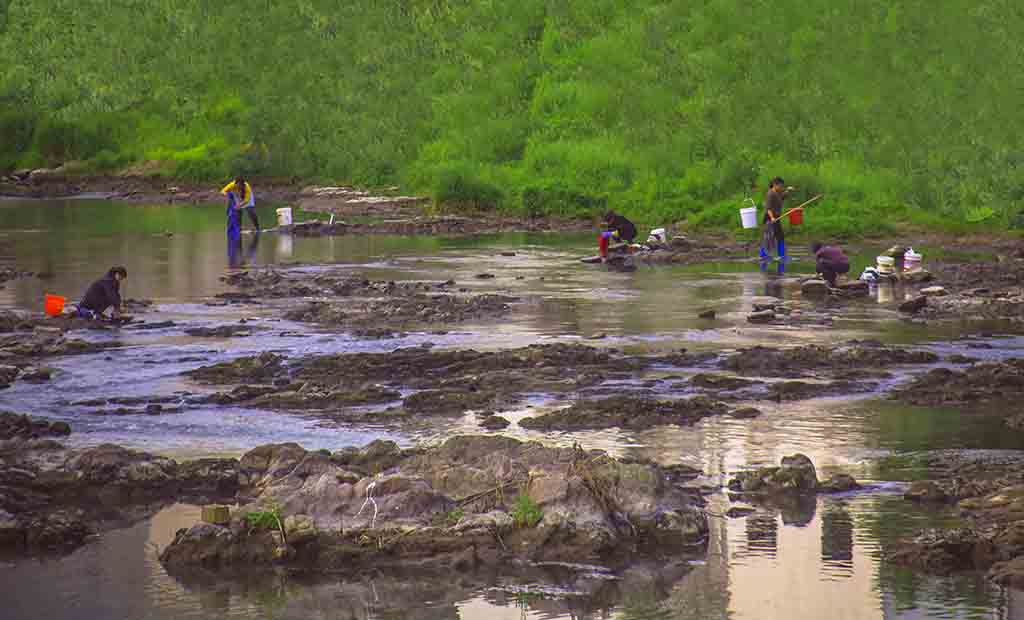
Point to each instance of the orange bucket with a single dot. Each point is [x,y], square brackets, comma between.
[54,305]
[796,217]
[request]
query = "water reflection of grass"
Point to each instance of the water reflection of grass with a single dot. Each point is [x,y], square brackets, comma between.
[906,428]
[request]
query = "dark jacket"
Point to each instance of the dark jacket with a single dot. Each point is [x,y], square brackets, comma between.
[832,255]
[627,231]
[102,294]
[773,202]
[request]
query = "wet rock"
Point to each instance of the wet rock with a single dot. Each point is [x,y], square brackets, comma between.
[795,475]
[856,288]
[925,491]
[447,402]
[257,368]
[737,512]
[815,288]
[37,375]
[707,314]
[299,530]
[495,423]
[484,276]
[764,316]
[944,551]
[14,426]
[746,413]
[914,305]
[627,412]
[8,375]
[52,498]
[588,506]
[919,276]
[839,483]
[982,383]
[799,361]
[220,331]
[721,382]
[934,291]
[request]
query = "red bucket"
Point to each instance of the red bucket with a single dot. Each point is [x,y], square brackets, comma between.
[796,217]
[53,305]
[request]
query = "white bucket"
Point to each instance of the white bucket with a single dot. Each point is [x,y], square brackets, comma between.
[657,236]
[886,264]
[749,217]
[284,217]
[911,260]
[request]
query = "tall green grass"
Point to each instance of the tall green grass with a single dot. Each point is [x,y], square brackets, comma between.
[668,110]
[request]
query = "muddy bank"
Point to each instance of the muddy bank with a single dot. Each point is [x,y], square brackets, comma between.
[53,499]
[471,502]
[986,490]
[366,306]
[354,211]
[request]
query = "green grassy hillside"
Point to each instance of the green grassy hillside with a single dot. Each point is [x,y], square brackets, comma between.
[667,110]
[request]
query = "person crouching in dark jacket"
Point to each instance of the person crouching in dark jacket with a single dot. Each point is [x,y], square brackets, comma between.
[830,262]
[103,294]
[616,228]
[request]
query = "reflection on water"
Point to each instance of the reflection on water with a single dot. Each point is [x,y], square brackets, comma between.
[822,564]
[806,558]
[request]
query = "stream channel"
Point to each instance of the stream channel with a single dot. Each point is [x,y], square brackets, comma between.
[823,560]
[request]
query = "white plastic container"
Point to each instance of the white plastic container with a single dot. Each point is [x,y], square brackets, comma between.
[284,217]
[911,260]
[886,264]
[657,236]
[749,217]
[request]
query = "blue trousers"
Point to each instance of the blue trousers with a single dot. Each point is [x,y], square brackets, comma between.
[781,243]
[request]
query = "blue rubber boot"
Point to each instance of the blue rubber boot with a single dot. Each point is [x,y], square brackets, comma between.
[764,254]
[782,249]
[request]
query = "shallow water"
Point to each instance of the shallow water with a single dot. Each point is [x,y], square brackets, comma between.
[824,561]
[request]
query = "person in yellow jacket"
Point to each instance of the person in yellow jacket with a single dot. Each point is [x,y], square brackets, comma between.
[245,200]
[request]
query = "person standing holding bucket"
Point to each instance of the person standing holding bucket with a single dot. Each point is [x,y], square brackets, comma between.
[773,234]
[245,199]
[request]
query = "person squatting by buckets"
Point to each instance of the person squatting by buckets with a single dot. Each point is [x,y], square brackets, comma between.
[773,234]
[618,228]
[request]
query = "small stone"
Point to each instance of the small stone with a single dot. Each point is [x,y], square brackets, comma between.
[914,305]
[495,423]
[707,314]
[764,316]
[934,291]
[484,276]
[745,413]
[216,514]
[60,429]
[815,287]
[740,511]
[925,491]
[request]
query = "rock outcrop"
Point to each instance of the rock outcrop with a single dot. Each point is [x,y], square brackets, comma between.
[470,501]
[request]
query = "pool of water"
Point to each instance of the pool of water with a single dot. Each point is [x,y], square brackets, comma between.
[823,560]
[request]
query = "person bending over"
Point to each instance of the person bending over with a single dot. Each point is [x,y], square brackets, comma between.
[830,262]
[245,199]
[103,294]
[616,228]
